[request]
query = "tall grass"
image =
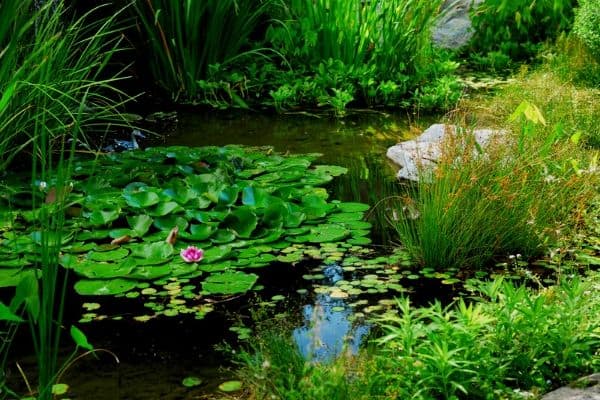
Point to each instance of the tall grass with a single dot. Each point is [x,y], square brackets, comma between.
[54,67]
[53,96]
[185,38]
[565,89]
[388,35]
[513,197]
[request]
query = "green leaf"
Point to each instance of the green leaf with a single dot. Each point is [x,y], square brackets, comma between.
[141,199]
[60,389]
[229,282]
[108,255]
[27,292]
[223,236]
[80,338]
[7,315]
[103,217]
[332,170]
[230,386]
[352,207]
[242,220]
[103,270]
[140,224]
[228,196]
[191,381]
[165,208]
[98,287]
[157,250]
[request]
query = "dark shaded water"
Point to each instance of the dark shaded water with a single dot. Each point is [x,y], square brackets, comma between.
[155,356]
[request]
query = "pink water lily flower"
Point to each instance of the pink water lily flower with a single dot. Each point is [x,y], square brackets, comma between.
[192,254]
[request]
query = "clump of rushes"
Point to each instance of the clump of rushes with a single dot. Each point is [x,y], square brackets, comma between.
[185,38]
[52,72]
[51,90]
[515,196]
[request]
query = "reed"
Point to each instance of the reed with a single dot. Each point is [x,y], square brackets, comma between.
[185,38]
[55,68]
[54,96]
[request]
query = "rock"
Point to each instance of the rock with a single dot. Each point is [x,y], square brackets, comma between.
[422,153]
[453,28]
[587,388]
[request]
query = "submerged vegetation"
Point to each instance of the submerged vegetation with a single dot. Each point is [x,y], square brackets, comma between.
[503,238]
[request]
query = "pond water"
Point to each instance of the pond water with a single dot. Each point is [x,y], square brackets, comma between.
[156,355]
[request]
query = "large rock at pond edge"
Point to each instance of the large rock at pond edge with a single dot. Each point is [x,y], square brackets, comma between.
[422,153]
[587,388]
[453,28]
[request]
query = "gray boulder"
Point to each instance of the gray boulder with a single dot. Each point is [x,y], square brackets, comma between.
[421,154]
[587,388]
[453,28]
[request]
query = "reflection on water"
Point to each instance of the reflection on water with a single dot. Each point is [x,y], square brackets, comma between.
[358,143]
[329,328]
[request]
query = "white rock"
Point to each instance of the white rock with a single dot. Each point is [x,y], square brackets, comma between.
[422,153]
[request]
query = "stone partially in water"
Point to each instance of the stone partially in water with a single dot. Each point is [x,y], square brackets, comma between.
[587,388]
[422,153]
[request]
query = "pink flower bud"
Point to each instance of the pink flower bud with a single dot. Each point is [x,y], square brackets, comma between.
[192,254]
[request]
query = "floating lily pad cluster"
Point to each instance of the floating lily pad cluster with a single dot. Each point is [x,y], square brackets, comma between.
[132,213]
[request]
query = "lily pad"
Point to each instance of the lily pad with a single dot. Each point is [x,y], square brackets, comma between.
[229,283]
[191,381]
[230,386]
[102,287]
[352,207]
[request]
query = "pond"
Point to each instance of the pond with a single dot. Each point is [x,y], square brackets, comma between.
[324,298]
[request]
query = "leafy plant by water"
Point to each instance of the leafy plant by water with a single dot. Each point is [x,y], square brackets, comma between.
[515,28]
[187,38]
[509,337]
[52,96]
[51,69]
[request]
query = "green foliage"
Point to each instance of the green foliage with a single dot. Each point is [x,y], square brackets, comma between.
[508,337]
[188,38]
[508,198]
[274,368]
[516,27]
[573,62]
[241,206]
[51,73]
[587,25]
[315,54]
[515,337]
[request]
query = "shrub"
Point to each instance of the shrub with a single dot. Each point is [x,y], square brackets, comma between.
[510,337]
[516,27]
[587,25]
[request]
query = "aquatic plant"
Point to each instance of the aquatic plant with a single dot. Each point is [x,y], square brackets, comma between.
[515,198]
[52,97]
[52,72]
[242,207]
[185,39]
